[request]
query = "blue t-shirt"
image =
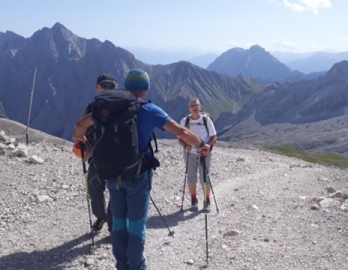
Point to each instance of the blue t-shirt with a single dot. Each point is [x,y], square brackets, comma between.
[150,116]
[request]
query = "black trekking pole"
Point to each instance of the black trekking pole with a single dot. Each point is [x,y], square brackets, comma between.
[205,186]
[183,192]
[82,147]
[211,186]
[171,233]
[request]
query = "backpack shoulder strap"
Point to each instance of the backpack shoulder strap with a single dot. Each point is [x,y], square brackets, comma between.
[205,116]
[87,109]
[205,123]
[187,120]
[155,141]
[91,150]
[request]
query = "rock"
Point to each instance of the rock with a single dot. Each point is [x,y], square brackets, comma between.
[36,160]
[4,137]
[330,189]
[329,203]
[337,195]
[315,207]
[190,262]
[323,179]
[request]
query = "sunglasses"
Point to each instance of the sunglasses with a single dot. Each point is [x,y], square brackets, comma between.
[108,86]
[194,105]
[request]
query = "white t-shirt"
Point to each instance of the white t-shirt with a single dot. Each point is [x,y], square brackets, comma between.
[197,127]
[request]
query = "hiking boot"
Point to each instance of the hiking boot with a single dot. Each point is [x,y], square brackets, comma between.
[206,206]
[98,225]
[194,204]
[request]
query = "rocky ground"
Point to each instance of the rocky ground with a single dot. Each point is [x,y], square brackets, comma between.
[268,212]
[327,136]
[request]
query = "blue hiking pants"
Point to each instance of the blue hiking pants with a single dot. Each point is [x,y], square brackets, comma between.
[129,207]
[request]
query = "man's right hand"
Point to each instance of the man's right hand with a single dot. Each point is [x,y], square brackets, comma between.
[204,151]
[78,139]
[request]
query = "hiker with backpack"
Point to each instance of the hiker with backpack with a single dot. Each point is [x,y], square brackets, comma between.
[202,125]
[130,186]
[95,185]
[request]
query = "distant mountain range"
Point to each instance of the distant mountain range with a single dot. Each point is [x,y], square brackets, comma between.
[303,62]
[67,68]
[173,55]
[237,85]
[311,62]
[298,102]
[255,63]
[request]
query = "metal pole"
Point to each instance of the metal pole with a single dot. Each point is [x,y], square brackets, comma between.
[85,173]
[183,192]
[207,258]
[211,187]
[171,233]
[30,105]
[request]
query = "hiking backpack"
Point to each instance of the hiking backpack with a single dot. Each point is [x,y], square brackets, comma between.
[115,152]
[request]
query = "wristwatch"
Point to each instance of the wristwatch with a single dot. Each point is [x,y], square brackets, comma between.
[202,144]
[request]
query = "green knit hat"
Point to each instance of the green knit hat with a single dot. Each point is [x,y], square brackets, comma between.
[137,80]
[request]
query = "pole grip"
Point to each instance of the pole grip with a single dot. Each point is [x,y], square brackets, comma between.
[82,147]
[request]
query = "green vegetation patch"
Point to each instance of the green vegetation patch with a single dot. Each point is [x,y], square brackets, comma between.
[319,158]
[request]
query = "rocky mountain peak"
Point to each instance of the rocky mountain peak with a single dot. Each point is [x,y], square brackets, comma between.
[59,31]
[256,63]
[339,70]
[257,49]
[10,42]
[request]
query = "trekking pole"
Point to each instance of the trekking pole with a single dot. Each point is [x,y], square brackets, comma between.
[171,233]
[205,186]
[82,147]
[30,105]
[183,192]
[211,186]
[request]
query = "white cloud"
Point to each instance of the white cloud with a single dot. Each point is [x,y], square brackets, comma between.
[316,47]
[294,6]
[342,44]
[233,44]
[311,5]
[281,44]
[344,39]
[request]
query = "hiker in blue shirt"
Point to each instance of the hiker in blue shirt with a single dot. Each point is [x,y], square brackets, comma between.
[130,200]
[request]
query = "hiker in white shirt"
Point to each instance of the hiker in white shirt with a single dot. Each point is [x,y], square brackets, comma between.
[204,128]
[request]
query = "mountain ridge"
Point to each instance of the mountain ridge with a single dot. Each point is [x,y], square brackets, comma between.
[68,65]
[255,62]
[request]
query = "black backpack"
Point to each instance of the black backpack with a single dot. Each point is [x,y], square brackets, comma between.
[115,152]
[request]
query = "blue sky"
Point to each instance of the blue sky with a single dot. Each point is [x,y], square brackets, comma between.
[202,25]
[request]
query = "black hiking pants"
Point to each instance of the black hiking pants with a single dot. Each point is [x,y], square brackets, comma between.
[96,189]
